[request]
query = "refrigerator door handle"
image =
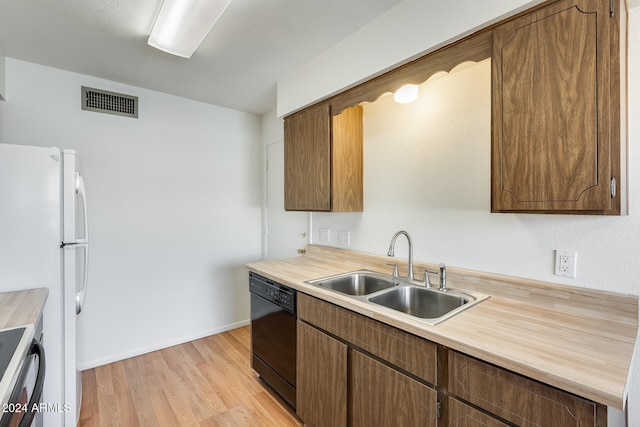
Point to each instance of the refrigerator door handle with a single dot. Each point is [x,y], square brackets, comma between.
[81,295]
[82,193]
[80,189]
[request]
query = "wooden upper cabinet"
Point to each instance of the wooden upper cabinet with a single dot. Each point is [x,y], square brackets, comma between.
[555,141]
[323,160]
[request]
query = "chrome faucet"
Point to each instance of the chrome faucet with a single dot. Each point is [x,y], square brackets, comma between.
[390,253]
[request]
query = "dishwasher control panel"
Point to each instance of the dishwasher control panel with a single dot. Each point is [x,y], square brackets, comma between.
[273,291]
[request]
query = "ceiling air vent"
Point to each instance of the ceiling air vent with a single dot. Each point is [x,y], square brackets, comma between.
[102,101]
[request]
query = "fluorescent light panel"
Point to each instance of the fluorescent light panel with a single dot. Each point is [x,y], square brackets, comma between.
[183,24]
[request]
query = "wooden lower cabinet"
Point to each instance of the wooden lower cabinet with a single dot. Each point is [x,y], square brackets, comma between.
[382,396]
[321,390]
[517,399]
[356,371]
[407,352]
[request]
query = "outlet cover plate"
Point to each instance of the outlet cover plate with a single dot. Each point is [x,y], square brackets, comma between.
[324,234]
[566,263]
[344,237]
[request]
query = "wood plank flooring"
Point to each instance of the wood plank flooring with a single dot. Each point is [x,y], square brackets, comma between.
[207,382]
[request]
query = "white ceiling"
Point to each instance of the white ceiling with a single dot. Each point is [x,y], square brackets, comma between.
[252,45]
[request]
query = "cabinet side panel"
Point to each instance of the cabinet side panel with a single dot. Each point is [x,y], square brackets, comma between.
[347,171]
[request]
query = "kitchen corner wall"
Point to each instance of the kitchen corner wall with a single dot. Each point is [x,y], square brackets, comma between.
[174,201]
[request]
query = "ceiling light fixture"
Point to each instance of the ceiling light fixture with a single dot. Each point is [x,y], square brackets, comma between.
[406,94]
[183,24]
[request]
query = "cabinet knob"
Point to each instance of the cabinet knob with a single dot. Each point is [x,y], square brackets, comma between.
[302,251]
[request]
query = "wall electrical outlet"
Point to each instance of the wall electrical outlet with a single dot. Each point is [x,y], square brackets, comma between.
[566,263]
[344,237]
[324,235]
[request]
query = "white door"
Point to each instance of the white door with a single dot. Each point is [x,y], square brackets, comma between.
[286,232]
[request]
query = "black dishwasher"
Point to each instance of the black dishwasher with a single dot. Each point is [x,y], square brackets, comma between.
[273,335]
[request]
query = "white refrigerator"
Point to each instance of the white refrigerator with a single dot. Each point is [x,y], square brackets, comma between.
[44,243]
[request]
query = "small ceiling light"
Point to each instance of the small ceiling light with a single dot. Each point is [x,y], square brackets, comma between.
[406,94]
[183,24]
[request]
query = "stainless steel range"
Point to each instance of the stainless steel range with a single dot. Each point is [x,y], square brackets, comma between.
[21,380]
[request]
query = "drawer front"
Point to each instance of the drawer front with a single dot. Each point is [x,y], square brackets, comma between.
[517,399]
[402,349]
[462,415]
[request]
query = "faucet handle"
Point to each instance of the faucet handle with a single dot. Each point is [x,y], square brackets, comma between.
[395,269]
[427,281]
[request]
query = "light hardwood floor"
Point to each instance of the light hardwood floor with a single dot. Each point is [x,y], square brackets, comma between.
[207,382]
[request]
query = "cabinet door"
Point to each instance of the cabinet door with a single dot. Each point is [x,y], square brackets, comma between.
[382,396]
[463,415]
[307,159]
[321,378]
[551,146]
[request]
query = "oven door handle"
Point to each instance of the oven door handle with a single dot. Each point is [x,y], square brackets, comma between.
[38,350]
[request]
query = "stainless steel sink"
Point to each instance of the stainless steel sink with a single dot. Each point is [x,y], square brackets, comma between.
[426,303]
[356,283]
[405,297]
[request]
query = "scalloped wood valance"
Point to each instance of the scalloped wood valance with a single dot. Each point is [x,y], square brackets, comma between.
[475,47]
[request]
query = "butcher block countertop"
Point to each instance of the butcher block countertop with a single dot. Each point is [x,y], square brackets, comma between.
[576,339]
[21,307]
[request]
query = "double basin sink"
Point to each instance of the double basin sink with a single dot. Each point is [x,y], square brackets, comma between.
[430,305]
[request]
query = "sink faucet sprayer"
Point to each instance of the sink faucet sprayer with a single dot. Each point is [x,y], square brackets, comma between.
[443,277]
[442,273]
[391,247]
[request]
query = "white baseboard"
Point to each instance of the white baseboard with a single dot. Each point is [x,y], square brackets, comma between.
[159,346]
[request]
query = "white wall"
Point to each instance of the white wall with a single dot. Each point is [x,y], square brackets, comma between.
[272,127]
[174,202]
[427,167]
[405,32]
